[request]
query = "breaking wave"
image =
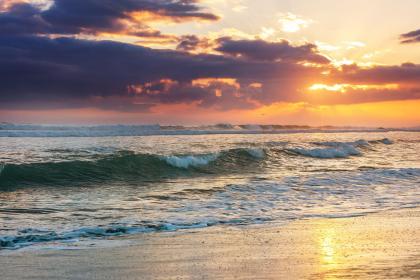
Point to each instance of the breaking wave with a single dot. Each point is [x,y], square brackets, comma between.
[188,161]
[126,166]
[34,130]
[337,149]
[30,236]
[339,152]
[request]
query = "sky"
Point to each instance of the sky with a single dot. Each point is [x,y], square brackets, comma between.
[303,62]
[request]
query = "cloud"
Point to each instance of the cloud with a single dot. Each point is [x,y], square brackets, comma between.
[263,50]
[128,17]
[406,73]
[44,65]
[23,18]
[217,93]
[291,23]
[410,37]
[360,93]
[5,5]
[41,72]
[354,84]
[193,43]
[47,70]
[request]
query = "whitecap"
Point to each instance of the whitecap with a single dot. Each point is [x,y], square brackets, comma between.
[190,160]
[342,151]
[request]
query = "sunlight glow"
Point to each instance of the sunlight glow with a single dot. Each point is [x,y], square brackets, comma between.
[328,250]
[292,23]
[346,87]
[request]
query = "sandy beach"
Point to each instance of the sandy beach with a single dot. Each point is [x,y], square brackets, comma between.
[377,246]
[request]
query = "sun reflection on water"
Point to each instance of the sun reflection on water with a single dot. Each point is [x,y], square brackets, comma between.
[327,248]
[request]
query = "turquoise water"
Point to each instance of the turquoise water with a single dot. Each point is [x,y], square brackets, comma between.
[65,189]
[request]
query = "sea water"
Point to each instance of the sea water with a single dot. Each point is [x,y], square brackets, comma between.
[63,189]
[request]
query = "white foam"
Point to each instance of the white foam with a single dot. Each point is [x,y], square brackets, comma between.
[190,160]
[342,151]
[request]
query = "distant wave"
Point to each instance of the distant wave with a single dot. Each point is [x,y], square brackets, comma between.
[32,130]
[125,166]
[358,143]
[385,141]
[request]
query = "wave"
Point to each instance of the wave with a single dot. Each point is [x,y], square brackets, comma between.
[188,161]
[358,143]
[203,160]
[340,152]
[28,237]
[126,166]
[33,130]
[385,141]
[337,149]
[353,185]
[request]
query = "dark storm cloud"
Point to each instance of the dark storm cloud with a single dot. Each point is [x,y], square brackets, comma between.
[38,71]
[354,96]
[23,19]
[216,93]
[263,50]
[94,16]
[406,73]
[75,15]
[40,68]
[192,43]
[410,37]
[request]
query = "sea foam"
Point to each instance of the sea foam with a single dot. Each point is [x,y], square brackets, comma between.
[190,160]
[336,149]
[343,151]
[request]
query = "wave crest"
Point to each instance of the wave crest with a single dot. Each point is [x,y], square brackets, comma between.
[188,161]
[339,152]
[126,166]
[337,149]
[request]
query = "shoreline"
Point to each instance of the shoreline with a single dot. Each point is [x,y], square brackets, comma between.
[382,245]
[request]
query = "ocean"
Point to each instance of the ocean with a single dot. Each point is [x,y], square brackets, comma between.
[60,185]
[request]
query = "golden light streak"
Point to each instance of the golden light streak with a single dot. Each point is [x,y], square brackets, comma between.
[205,82]
[346,87]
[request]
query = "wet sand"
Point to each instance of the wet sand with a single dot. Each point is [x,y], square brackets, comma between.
[377,246]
